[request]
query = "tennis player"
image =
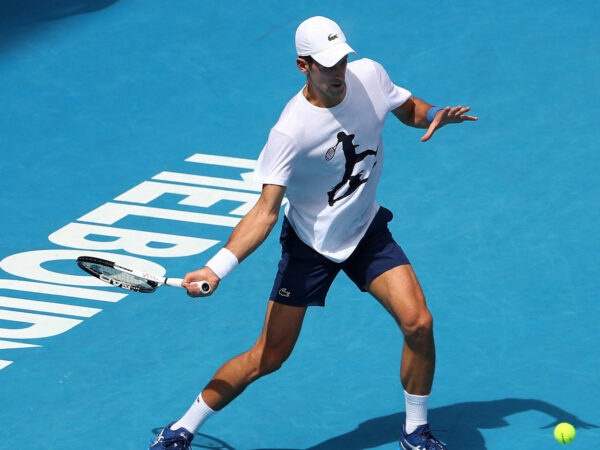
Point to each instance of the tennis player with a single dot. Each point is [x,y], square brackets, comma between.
[325,154]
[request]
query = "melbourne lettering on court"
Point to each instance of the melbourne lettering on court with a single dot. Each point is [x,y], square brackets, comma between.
[45,310]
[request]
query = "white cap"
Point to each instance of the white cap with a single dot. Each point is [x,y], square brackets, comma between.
[322,39]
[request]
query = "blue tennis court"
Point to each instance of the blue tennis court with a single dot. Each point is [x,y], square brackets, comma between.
[130,129]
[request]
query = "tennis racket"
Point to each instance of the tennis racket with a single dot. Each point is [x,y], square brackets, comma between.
[131,279]
[331,152]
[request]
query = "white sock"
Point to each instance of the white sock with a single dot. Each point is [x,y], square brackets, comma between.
[193,419]
[416,411]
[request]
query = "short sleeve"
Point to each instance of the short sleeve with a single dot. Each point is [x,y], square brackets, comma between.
[395,95]
[274,163]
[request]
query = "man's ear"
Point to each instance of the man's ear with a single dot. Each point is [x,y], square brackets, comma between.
[303,66]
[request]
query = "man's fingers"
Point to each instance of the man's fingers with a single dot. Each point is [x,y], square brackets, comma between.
[430,130]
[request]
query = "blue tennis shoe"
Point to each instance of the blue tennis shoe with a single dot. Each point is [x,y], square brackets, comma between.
[168,439]
[420,439]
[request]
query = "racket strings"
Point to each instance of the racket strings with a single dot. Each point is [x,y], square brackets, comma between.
[120,278]
[331,152]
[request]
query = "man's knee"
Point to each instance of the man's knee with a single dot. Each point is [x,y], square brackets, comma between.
[419,325]
[271,363]
[267,361]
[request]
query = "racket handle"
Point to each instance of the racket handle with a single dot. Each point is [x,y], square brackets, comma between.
[175,282]
[204,286]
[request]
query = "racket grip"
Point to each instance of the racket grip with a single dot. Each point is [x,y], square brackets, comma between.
[174,282]
[204,286]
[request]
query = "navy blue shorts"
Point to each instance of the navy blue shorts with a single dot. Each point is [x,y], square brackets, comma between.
[304,276]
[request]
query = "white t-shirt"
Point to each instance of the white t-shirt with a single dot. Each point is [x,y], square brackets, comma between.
[332,199]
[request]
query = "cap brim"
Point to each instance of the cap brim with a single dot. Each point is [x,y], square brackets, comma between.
[331,56]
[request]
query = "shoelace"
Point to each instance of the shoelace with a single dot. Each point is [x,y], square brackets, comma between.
[427,433]
[170,442]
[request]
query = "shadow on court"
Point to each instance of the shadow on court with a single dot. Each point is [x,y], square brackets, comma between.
[20,14]
[457,425]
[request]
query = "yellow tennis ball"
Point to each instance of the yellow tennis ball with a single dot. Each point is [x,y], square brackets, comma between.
[564,433]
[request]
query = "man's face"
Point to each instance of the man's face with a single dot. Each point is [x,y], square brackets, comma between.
[327,84]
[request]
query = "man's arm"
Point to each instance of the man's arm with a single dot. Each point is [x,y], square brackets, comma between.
[414,111]
[246,237]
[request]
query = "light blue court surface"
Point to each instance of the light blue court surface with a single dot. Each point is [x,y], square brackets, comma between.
[126,118]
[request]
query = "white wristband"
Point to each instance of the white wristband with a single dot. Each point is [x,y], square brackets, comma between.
[222,263]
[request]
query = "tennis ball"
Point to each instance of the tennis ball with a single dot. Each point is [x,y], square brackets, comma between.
[564,433]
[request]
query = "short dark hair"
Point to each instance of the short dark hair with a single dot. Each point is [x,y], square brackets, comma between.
[309,59]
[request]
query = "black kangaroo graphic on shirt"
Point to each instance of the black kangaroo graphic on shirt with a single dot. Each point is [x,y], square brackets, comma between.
[352,158]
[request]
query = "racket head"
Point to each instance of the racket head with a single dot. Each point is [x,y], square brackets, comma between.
[115,275]
[330,153]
